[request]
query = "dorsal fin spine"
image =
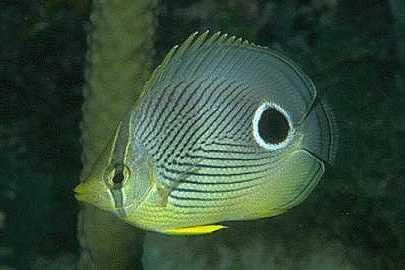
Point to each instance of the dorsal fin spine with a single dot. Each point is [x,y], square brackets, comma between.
[186,45]
[230,40]
[193,43]
[159,70]
[200,41]
[204,53]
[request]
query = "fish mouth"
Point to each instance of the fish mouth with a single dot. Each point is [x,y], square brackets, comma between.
[121,212]
[80,192]
[92,192]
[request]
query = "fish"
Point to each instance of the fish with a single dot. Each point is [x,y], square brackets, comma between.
[224,130]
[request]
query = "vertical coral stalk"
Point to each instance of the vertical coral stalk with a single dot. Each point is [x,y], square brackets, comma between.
[120,50]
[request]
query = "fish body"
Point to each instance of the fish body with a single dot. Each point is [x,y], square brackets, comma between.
[224,130]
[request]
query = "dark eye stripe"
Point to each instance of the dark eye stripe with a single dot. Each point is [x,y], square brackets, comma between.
[120,142]
[117,159]
[118,202]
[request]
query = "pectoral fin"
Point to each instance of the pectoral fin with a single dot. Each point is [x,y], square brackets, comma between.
[204,229]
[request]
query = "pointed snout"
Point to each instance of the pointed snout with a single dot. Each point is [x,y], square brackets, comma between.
[95,192]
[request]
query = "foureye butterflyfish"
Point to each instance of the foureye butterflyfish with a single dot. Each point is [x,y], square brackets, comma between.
[224,130]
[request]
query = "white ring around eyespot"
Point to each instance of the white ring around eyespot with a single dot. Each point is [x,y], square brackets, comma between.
[258,113]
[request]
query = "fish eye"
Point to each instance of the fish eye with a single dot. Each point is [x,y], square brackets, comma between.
[118,178]
[118,175]
[271,126]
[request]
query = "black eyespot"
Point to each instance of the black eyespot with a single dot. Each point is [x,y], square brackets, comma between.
[273,126]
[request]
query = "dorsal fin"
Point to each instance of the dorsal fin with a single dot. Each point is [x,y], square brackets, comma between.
[270,74]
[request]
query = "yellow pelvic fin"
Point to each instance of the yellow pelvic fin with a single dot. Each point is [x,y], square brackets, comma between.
[196,230]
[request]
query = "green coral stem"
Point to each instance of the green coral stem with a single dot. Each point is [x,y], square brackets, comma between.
[119,61]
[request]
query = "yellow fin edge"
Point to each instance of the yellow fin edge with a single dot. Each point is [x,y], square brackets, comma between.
[196,230]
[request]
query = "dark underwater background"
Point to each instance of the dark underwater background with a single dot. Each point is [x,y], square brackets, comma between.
[353,50]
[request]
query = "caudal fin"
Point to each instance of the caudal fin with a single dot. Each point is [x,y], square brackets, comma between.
[321,132]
